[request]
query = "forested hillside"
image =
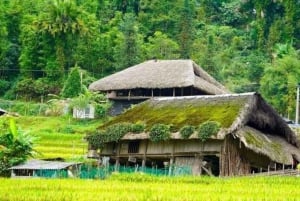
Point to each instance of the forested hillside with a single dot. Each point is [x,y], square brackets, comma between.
[248,45]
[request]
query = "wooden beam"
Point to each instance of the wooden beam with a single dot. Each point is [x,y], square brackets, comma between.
[207,171]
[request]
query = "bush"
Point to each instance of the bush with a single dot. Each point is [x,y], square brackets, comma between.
[187,131]
[117,131]
[97,140]
[207,129]
[113,133]
[72,86]
[138,128]
[159,132]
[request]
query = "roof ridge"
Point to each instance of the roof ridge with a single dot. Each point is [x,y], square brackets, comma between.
[205,96]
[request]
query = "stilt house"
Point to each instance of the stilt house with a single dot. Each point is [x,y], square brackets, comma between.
[252,138]
[156,78]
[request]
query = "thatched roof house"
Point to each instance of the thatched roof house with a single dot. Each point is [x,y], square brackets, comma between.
[160,74]
[252,137]
[156,78]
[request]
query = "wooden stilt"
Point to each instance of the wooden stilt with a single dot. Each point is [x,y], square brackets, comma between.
[171,165]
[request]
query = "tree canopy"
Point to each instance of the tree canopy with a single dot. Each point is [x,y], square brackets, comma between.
[238,42]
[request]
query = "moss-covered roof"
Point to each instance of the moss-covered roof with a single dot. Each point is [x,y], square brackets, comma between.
[185,111]
[275,147]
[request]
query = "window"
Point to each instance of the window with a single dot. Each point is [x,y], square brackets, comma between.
[133,146]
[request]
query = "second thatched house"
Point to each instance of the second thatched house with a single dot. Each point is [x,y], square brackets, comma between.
[252,136]
[157,78]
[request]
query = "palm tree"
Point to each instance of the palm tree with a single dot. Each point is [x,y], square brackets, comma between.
[65,22]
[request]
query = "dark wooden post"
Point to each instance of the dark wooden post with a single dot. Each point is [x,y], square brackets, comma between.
[118,157]
[145,156]
[171,165]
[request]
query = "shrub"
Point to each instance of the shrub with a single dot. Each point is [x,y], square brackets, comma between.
[116,131]
[207,129]
[138,127]
[159,132]
[187,131]
[113,133]
[72,86]
[97,140]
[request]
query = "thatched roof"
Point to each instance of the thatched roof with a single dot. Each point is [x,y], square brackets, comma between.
[245,116]
[159,74]
[275,147]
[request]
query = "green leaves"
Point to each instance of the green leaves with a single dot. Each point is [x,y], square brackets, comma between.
[187,131]
[278,85]
[13,127]
[72,86]
[207,129]
[159,132]
[15,146]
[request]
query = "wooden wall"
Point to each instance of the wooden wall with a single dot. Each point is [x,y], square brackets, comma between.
[232,162]
[166,147]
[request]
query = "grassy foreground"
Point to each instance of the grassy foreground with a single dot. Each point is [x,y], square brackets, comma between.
[142,187]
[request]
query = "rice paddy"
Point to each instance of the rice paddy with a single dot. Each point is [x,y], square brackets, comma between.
[58,137]
[127,187]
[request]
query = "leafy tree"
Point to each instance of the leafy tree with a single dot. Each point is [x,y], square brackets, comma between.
[65,22]
[278,84]
[160,46]
[15,146]
[156,15]
[186,29]
[73,86]
[11,13]
[127,54]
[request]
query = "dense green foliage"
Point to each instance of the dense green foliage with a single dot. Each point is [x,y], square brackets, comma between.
[239,42]
[187,131]
[112,133]
[72,87]
[15,145]
[138,127]
[142,187]
[208,129]
[159,132]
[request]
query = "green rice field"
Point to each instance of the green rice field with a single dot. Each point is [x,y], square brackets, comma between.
[65,146]
[58,137]
[130,187]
